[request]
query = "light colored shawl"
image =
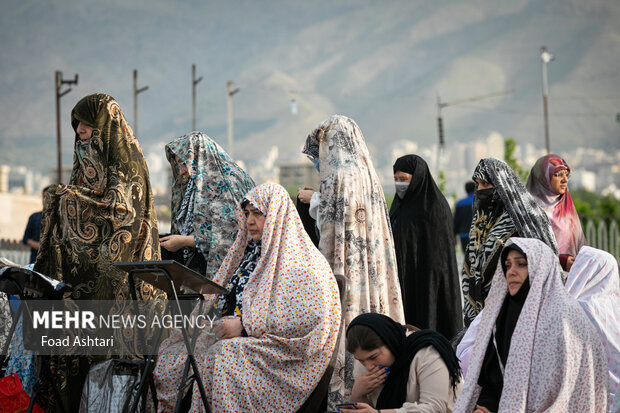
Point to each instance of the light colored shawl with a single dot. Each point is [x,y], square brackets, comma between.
[556,361]
[559,208]
[593,281]
[219,185]
[291,312]
[356,237]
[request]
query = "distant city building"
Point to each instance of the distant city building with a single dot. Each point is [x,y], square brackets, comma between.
[4,178]
[65,175]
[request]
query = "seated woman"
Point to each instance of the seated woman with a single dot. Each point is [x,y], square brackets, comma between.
[548,184]
[593,281]
[284,312]
[206,187]
[415,373]
[535,349]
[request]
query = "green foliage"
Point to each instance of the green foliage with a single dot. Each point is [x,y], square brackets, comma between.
[388,200]
[510,146]
[292,192]
[596,207]
[442,182]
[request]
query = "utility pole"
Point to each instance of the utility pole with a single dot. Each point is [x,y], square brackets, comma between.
[546,57]
[59,81]
[135,101]
[441,105]
[231,143]
[194,83]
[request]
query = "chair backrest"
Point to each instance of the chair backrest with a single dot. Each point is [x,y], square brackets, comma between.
[316,398]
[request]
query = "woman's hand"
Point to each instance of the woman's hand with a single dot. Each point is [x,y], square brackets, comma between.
[482,409]
[363,408]
[569,262]
[304,194]
[228,328]
[368,381]
[176,242]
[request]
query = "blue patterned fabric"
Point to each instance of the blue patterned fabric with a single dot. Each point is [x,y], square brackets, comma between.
[232,303]
[21,360]
[220,185]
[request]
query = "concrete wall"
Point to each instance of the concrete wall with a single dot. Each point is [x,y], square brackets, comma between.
[14,212]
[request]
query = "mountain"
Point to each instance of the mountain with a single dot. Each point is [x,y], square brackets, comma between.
[383,63]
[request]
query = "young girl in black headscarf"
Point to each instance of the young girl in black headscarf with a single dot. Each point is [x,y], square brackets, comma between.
[419,372]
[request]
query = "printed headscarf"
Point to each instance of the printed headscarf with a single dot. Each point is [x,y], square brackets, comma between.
[511,212]
[594,282]
[556,361]
[106,213]
[217,185]
[355,233]
[291,312]
[559,208]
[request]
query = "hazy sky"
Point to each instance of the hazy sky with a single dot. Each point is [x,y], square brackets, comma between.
[381,62]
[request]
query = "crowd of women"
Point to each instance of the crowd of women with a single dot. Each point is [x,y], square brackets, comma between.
[356,296]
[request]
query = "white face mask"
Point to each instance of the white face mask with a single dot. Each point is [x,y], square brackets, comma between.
[401,188]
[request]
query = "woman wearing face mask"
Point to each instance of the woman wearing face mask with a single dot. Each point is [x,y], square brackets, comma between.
[502,209]
[422,228]
[548,184]
[535,351]
[355,236]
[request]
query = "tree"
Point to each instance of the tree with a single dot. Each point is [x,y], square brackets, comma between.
[510,146]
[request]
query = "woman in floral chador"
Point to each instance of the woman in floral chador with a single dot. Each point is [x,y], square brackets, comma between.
[355,234]
[281,317]
[535,350]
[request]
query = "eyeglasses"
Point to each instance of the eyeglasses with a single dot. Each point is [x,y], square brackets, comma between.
[562,174]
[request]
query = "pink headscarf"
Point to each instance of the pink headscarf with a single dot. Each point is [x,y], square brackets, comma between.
[559,208]
[556,361]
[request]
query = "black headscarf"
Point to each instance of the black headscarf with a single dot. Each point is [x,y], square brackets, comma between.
[424,243]
[491,378]
[404,349]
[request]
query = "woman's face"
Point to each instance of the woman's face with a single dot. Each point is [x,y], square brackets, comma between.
[400,176]
[381,356]
[255,221]
[559,181]
[182,168]
[85,132]
[516,271]
[480,184]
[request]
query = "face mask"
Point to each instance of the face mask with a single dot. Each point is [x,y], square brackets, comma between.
[316,164]
[485,196]
[401,188]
